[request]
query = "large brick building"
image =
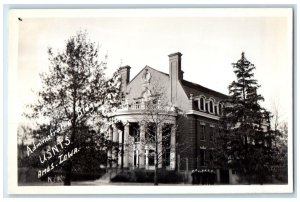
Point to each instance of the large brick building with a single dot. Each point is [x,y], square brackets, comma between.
[196,131]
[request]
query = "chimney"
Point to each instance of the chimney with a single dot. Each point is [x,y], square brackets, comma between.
[176,74]
[125,77]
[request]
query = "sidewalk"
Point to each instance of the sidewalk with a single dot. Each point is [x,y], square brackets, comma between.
[97,183]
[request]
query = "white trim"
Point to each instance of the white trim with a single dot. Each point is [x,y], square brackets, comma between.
[198,102]
[204,101]
[202,123]
[203,114]
[213,105]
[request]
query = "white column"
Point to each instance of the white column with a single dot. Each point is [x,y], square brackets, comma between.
[147,157]
[126,145]
[120,147]
[132,154]
[130,149]
[137,157]
[173,149]
[142,146]
[115,148]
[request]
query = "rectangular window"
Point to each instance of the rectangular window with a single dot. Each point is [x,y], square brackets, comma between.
[211,157]
[151,158]
[134,131]
[202,132]
[150,132]
[202,157]
[211,133]
[195,105]
[166,144]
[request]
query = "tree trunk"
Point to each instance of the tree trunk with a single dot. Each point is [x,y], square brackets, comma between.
[155,175]
[156,158]
[68,175]
[68,170]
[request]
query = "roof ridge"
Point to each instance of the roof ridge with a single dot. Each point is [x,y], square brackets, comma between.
[210,91]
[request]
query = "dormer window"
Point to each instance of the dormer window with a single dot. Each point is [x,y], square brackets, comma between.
[216,109]
[196,104]
[206,106]
[211,106]
[220,109]
[202,104]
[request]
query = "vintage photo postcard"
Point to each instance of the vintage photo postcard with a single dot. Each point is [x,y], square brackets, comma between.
[162,101]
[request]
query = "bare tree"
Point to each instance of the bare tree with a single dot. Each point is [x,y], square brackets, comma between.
[280,129]
[161,121]
[24,134]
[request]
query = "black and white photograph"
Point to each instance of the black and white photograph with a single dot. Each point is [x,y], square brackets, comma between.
[163,100]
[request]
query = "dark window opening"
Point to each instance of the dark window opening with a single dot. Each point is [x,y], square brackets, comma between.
[211,156]
[195,105]
[211,107]
[150,133]
[211,133]
[166,143]
[134,159]
[202,157]
[166,135]
[134,131]
[151,158]
[166,157]
[216,110]
[202,132]
[202,104]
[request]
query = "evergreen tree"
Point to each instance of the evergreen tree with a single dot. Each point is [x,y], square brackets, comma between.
[246,140]
[76,98]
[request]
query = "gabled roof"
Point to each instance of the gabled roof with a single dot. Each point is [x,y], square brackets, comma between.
[189,87]
[196,89]
[148,67]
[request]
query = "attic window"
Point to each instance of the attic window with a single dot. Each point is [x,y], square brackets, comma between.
[220,109]
[216,109]
[195,105]
[211,107]
[202,104]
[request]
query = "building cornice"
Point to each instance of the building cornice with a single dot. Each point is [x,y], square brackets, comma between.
[140,112]
[198,113]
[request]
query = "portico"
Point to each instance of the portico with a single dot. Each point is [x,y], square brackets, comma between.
[135,141]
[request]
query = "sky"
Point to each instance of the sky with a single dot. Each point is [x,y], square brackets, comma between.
[209,44]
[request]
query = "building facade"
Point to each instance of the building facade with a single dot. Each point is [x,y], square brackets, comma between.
[187,139]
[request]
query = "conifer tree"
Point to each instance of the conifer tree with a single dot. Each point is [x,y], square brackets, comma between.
[246,140]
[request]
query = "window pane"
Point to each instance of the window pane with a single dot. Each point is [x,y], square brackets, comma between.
[211,107]
[202,104]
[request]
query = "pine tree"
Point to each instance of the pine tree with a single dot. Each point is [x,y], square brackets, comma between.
[247,137]
[76,97]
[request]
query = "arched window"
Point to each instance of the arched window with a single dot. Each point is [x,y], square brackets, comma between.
[202,104]
[220,109]
[216,109]
[211,106]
